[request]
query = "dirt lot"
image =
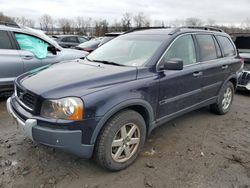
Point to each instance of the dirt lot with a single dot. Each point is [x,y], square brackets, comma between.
[199,149]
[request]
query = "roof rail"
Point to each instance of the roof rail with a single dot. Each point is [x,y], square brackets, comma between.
[144,28]
[207,28]
[11,24]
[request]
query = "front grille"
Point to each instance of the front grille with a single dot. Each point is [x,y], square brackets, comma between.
[27,99]
[244,78]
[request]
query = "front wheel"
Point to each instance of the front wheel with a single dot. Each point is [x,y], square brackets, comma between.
[225,99]
[121,140]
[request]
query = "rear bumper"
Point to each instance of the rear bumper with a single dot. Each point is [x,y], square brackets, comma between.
[67,140]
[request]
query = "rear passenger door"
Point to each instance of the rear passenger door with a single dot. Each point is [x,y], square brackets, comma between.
[11,64]
[180,90]
[214,67]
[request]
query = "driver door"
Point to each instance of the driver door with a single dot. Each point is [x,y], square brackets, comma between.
[180,90]
[32,50]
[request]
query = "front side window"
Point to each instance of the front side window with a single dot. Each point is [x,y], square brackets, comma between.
[5,41]
[227,46]
[183,48]
[207,47]
[33,44]
[128,50]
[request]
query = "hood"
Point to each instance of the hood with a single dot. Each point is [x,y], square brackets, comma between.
[245,55]
[69,54]
[75,78]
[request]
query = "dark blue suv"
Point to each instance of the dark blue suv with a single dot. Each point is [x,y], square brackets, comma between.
[105,105]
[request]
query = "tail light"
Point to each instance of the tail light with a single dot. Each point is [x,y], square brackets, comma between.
[88,50]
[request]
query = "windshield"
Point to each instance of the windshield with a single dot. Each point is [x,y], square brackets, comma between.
[128,50]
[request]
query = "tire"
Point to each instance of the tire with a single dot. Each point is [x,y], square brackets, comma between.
[112,150]
[224,100]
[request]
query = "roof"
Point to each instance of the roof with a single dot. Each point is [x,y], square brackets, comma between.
[172,31]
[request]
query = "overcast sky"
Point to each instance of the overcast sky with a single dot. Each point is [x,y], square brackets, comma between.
[223,11]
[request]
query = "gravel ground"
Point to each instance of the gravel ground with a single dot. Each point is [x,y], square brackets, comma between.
[199,149]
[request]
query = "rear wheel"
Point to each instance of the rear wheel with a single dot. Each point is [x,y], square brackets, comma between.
[121,140]
[225,99]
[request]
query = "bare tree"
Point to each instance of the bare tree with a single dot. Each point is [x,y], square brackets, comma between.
[139,19]
[126,21]
[4,18]
[47,23]
[193,22]
[101,27]
[82,25]
[65,25]
[24,21]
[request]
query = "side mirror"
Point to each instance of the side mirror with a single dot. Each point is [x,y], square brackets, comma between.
[173,64]
[52,49]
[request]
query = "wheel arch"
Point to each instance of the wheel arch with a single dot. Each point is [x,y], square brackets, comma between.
[138,105]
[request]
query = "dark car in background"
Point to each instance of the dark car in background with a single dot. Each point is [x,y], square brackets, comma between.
[105,105]
[89,46]
[93,44]
[68,41]
[109,36]
[242,42]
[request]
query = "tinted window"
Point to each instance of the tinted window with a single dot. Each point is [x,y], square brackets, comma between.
[70,39]
[242,42]
[206,47]
[184,49]
[227,46]
[5,41]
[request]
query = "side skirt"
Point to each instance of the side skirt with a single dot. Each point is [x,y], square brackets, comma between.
[169,117]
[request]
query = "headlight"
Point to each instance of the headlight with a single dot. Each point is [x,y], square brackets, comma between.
[70,108]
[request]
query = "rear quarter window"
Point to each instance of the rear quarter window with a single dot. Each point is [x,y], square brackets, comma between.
[227,46]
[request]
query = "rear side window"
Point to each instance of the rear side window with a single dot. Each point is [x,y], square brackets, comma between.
[183,48]
[5,42]
[227,46]
[207,47]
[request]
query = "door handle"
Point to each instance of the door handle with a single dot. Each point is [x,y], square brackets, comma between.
[224,66]
[196,74]
[28,57]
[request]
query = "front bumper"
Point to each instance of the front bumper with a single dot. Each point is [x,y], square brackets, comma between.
[68,140]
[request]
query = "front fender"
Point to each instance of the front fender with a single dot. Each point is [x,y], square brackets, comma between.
[119,107]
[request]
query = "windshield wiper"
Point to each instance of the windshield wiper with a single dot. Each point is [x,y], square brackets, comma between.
[104,62]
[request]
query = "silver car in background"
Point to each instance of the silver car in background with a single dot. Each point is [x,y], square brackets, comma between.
[18,54]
